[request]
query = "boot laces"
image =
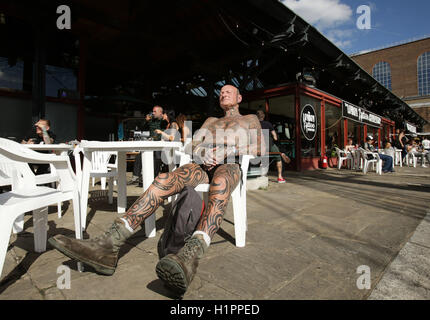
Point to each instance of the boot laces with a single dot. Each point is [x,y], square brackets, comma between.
[191,247]
[107,233]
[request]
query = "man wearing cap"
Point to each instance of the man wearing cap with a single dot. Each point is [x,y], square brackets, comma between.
[388,160]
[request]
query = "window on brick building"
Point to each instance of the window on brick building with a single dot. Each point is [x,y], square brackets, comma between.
[424,74]
[382,72]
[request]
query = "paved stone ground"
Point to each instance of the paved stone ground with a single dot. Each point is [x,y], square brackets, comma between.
[305,240]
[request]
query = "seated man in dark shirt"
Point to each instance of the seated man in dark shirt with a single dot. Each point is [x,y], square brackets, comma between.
[42,134]
[388,160]
[153,122]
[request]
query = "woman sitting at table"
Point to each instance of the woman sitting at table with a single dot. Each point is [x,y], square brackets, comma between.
[183,129]
[171,128]
[349,147]
[417,151]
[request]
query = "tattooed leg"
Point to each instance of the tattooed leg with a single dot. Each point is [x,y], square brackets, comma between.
[225,179]
[164,186]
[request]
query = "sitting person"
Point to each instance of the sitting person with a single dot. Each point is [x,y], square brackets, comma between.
[389,150]
[41,134]
[388,161]
[44,135]
[178,270]
[350,146]
[153,123]
[418,151]
[426,144]
[184,130]
[171,128]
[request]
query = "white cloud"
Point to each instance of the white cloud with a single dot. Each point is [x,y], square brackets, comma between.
[322,14]
[342,38]
[331,17]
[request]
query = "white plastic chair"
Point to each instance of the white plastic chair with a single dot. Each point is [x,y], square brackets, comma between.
[101,168]
[342,156]
[376,162]
[238,197]
[6,171]
[398,161]
[411,159]
[27,196]
[105,171]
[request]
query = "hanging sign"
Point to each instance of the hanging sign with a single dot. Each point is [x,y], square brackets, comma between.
[358,114]
[309,122]
[411,128]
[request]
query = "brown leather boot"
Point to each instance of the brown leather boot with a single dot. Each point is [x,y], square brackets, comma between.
[101,253]
[178,270]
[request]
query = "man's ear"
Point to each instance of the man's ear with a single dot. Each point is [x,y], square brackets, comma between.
[239,99]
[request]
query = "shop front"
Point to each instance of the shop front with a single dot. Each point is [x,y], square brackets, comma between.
[311,123]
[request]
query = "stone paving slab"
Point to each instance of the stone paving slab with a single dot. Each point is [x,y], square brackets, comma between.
[305,240]
[408,276]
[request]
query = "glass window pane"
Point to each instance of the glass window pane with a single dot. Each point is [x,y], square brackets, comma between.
[424,74]
[382,73]
[11,76]
[58,78]
[334,128]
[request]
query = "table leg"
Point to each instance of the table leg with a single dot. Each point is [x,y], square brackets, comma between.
[85,181]
[122,183]
[148,178]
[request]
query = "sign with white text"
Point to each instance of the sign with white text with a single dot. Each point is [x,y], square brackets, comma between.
[358,114]
[309,122]
[410,127]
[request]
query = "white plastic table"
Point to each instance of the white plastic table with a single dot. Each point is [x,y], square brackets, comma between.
[61,148]
[122,147]
[398,157]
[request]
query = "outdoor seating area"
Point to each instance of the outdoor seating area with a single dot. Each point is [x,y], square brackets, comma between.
[16,173]
[358,159]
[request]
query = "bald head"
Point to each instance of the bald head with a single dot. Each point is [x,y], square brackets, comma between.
[229,97]
[157,112]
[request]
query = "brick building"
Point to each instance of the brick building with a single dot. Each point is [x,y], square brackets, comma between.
[405,70]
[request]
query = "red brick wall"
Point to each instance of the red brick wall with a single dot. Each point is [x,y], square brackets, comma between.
[403,61]
[424,113]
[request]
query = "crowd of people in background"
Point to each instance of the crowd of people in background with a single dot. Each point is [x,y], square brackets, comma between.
[408,144]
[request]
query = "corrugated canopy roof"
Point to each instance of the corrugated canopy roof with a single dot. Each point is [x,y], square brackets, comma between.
[176,46]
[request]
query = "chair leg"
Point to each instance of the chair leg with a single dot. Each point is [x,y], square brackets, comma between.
[77,216]
[110,190]
[40,222]
[5,231]
[239,212]
[78,227]
[93,181]
[18,225]
[103,182]
[59,210]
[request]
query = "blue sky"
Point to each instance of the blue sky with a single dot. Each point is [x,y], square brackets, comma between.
[391,21]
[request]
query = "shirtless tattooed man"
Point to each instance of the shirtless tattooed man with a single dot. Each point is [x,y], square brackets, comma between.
[218,140]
